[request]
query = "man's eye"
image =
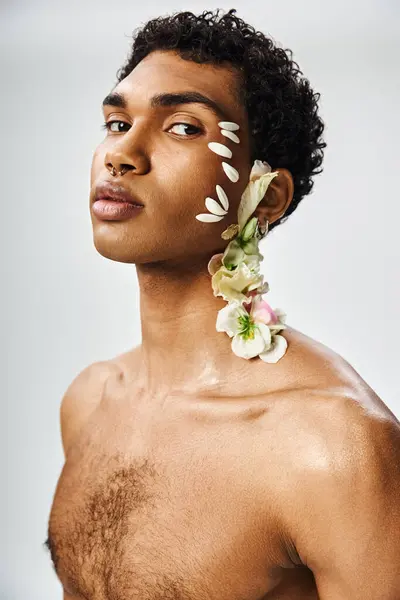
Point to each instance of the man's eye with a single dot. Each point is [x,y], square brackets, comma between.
[107,125]
[119,124]
[197,129]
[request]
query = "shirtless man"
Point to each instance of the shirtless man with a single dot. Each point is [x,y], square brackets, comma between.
[190,472]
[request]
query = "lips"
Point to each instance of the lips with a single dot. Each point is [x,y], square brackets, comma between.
[117,193]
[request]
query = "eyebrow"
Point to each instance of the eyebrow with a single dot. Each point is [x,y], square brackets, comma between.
[171,99]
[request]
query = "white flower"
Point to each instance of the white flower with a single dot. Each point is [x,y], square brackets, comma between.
[259,168]
[260,178]
[254,344]
[215,263]
[276,350]
[233,285]
[252,260]
[254,332]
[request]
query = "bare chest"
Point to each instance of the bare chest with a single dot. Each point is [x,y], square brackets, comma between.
[167,505]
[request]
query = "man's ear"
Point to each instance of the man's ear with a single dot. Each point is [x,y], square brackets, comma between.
[277,197]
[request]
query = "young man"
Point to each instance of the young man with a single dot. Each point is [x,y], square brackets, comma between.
[199,466]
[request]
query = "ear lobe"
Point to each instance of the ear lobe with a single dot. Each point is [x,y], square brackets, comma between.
[263,212]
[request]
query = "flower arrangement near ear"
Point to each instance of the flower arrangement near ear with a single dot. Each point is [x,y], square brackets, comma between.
[248,319]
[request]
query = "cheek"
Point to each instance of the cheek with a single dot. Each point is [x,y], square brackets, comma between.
[97,163]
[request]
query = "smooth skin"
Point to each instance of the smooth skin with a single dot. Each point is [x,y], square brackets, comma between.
[277,481]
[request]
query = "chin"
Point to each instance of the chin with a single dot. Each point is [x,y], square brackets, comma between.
[122,248]
[114,246]
[118,255]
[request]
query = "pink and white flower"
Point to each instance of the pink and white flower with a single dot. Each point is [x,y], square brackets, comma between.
[254,326]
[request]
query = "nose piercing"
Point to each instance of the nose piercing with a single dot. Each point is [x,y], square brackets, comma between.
[114,171]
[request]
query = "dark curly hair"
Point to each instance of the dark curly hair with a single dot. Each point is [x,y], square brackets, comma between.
[285,129]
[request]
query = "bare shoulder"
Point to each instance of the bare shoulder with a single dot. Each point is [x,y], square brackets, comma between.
[338,469]
[330,436]
[330,429]
[314,374]
[336,432]
[339,497]
[82,396]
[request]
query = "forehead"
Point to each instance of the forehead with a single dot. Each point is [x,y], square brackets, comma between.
[166,71]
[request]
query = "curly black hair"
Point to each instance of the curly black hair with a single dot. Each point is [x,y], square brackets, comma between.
[285,129]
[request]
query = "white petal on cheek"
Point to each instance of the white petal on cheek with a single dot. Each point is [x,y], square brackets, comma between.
[220,149]
[223,198]
[232,136]
[214,207]
[208,218]
[230,172]
[228,125]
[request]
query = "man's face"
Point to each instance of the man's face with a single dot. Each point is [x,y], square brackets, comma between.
[172,169]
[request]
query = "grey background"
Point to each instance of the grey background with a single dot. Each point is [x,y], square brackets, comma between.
[333,266]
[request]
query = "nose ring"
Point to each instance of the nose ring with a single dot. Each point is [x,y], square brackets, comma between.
[114,171]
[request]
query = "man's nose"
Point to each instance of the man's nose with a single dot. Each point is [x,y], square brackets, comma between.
[128,154]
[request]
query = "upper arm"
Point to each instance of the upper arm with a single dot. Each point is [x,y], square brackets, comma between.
[345,517]
[81,398]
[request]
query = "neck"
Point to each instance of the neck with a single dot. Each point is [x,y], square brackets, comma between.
[181,350]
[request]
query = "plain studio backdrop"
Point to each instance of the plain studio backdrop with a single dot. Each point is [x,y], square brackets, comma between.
[333,267]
